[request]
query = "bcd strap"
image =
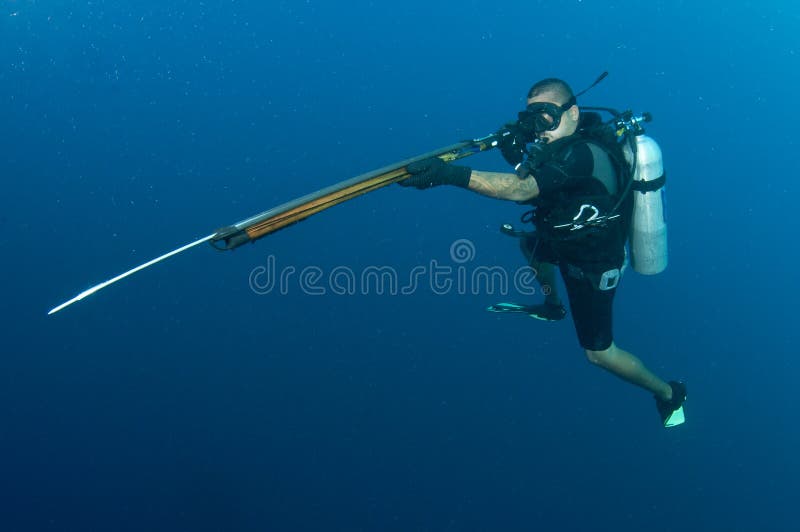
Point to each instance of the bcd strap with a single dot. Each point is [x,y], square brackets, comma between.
[650,186]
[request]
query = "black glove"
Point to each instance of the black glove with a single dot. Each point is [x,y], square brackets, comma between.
[512,145]
[524,170]
[434,172]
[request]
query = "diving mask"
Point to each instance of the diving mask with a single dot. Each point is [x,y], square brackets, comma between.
[539,117]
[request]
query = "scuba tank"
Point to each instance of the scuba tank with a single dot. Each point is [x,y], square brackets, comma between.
[645,181]
[648,228]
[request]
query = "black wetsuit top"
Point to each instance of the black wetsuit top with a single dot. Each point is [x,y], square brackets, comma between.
[576,173]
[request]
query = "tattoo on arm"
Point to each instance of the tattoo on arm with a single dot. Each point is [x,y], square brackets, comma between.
[503,186]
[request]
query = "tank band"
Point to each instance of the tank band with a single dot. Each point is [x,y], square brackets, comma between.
[650,186]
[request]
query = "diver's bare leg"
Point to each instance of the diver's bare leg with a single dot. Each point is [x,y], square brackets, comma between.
[627,367]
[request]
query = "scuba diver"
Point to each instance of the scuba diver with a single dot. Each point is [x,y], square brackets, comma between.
[583,206]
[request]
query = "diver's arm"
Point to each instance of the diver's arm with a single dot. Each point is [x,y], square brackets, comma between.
[502,185]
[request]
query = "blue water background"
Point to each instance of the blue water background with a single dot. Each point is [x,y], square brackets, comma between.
[180,400]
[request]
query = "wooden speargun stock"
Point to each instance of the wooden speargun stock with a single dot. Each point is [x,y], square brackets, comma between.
[291,212]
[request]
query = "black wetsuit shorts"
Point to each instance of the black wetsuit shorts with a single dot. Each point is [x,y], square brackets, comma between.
[591,309]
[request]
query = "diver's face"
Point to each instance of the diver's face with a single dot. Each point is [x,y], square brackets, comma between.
[569,119]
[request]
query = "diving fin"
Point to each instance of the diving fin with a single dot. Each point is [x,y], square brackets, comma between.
[544,311]
[675,418]
[671,411]
[506,307]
